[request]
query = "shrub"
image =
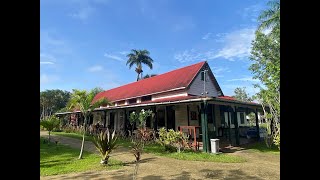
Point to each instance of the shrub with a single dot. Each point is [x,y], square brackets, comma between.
[172,140]
[105,143]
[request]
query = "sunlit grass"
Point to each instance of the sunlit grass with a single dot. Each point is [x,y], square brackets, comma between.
[193,156]
[60,159]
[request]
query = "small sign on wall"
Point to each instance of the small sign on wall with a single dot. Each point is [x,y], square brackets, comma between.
[193,115]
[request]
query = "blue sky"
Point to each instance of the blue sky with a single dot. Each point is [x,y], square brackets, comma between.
[83,43]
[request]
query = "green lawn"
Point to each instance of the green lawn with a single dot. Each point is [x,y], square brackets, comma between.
[73,135]
[262,147]
[122,142]
[60,159]
[193,156]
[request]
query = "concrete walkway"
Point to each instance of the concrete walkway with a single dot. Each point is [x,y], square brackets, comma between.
[258,166]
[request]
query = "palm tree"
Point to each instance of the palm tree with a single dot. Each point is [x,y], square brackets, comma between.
[139,57]
[270,18]
[82,100]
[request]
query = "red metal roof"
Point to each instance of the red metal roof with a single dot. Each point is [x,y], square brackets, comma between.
[227,97]
[233,99]
[179,78]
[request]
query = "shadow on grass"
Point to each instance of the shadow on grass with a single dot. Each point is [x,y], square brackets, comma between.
[254,146]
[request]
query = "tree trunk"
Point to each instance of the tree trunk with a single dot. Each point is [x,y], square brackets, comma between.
[138,77]
[82,144]
[135,173]
[49,138]
[105,160]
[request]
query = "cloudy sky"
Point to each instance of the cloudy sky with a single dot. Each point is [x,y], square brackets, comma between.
[83,43]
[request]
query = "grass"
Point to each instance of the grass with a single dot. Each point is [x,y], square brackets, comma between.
[61,159]
[262,147]
[122,142]
[193,156]
[74,135]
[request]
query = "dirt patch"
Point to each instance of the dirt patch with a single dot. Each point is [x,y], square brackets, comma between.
[258,166]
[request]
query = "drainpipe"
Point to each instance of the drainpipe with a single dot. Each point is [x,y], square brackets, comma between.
[204,126]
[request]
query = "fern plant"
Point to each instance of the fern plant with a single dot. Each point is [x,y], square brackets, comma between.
[105,143]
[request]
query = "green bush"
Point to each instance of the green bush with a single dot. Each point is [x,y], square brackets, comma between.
[172,140]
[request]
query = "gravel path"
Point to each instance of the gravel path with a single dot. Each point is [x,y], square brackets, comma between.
[258,166]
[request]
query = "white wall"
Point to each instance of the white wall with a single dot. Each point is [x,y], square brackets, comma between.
[196,88]
[169,94]
[181,114]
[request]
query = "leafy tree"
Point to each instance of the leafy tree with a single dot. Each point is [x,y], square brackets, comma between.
[52,100]
[139,57]
[242,95]
[97,90]
[265,55]
[82,100]
[50,123]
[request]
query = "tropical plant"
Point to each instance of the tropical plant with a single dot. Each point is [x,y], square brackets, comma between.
[139,57]
[143,115]
[83,100]
[50,123]
[133,118]
[172,139]
[270,18]
[105,143]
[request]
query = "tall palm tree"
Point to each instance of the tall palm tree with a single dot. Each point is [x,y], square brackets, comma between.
[139,57]
[82,100]
[270,18]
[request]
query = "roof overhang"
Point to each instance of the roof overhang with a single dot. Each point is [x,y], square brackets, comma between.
[191,100]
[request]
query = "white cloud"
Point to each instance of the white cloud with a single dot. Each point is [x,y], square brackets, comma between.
[206,36]
[45,79]
[85,8]
[114,57]
[83,13]
[46,58]
[219,71]
[235,45]
[52,44]
[251,12]
[244,79]
[124,52]
[96,68]
[46,62]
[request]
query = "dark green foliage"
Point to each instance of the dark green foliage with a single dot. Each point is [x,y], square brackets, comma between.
[242,95]
[50,123]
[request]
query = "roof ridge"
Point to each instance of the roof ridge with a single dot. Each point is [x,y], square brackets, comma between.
[158,75]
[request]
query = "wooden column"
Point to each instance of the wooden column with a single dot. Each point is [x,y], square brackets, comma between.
[229,121]
[105,119]
[257,124]
[235,119]
[188,111]
[204,126]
